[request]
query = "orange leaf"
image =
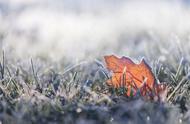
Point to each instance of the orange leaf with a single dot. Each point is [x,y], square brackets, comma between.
[134,77]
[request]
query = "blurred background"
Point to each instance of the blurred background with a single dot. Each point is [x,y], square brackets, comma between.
[78,29]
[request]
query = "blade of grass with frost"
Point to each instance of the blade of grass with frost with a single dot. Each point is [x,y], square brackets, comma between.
[74,66]
[2,66]
[179,70]
[157,66]
[34,74]
[72,81]
[102,69]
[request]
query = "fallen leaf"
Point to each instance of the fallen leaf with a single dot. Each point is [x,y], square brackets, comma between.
[134,77]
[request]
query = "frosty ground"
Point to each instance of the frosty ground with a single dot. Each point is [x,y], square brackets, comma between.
[52,68]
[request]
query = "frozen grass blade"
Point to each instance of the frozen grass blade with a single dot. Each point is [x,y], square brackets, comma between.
[34,74]
[2,66]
